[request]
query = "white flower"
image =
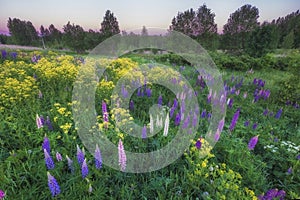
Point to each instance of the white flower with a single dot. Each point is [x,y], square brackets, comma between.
[166,128]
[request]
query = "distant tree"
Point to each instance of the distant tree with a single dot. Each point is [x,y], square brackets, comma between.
[74,37]
[288,24]
[288,41]
[44,34]
[144,31]
[92,39]
[199,25]
[239,26]
[22,32]
[54,34]
[109,25]
[263,40]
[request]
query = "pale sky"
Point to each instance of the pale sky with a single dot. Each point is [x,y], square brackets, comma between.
[131,14]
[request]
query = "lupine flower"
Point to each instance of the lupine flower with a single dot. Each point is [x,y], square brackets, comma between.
[46,144]
[245,95]
[265,112]
[160,100]
[166,128]
[203,114]
[186,122]
[53,185]
[234,119]
[278,114]
[175,103]
[122,156]
[172,111]
[3,54]
[252,143]
[144,132]
[80,155]
[217,135]
[124,91]
[58,157]
[151,124]
[254,126]
[273,193]
[230,102]
[49,124]
[298,157]
[290,170]
[104,113]
[98,158]
[131,105]
[148,92]
[48,160]
[246,123]
[177,119]
[2,194]
[195,120]
[13,55]
[70,164]
[221,124]
[84,169]
[198,143]
[39,121]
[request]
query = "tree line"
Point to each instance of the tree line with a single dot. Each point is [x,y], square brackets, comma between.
[241,33]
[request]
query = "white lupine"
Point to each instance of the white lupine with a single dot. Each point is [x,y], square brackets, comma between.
[151,124]
[166,128]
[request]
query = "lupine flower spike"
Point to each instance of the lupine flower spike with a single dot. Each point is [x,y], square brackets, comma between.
[166,128]
[98,158]
[122,156]
[53,185]
[252,143]
[48,160]
[80,155]
[84,169]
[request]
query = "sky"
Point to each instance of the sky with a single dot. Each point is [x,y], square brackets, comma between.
[131,14]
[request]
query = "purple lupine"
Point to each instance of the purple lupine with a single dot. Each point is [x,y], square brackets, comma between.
[46,144]
[49,124]
[175,103]
[252,143]
[186,122]
[48,160]
[39,121]
[278,114]
[13,55]
[195,120]
[148,92]
[58,157]
[254,126]
[98,158]
[53,185]
[160,100]
[234,119]
[298,157]
[70,164]
[2,194]
[131,105]
[203,114]
[290,170]
[124,91]
[122,156]
[177,119]
[84,169]
[144,132]
[245,95]
[3,54]
[280,194]
[217,135]
[80,155]
[266,112]
[221,124]
[198,143]
[246,123]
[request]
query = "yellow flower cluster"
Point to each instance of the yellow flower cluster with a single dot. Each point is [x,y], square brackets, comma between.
[16,86]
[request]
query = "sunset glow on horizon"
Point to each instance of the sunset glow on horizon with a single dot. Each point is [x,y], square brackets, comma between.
[131,14]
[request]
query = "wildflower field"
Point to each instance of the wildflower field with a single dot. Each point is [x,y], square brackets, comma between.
[256,155]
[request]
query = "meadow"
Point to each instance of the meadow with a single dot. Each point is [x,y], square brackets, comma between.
[256,157]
